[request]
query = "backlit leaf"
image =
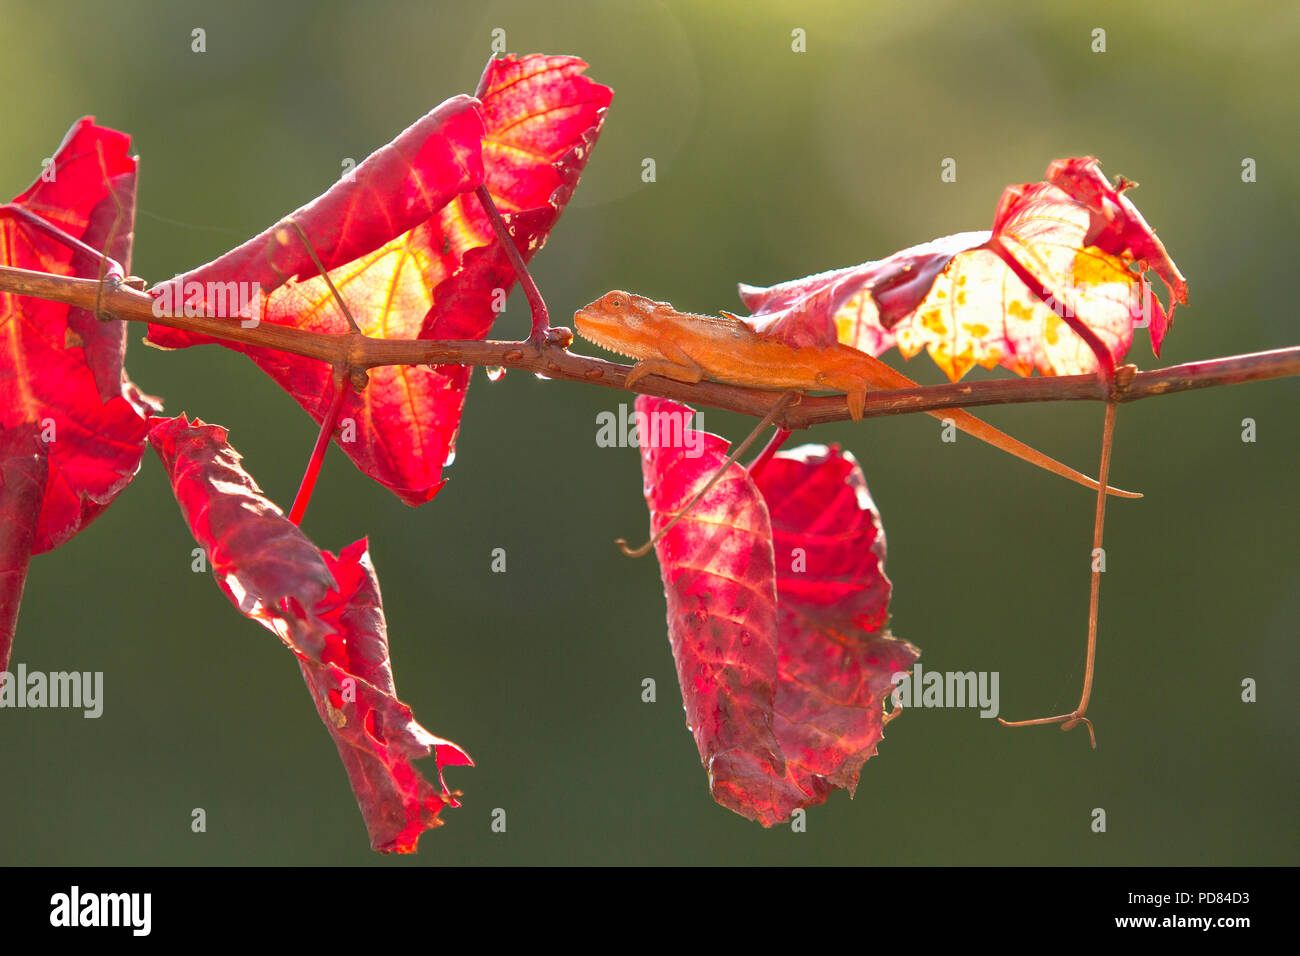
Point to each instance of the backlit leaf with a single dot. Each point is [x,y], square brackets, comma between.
[1059,281]
[777,614]
[325,609]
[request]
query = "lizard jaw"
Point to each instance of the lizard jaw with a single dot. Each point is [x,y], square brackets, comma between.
[600,331]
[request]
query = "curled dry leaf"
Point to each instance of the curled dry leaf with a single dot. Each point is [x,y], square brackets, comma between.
[328,611]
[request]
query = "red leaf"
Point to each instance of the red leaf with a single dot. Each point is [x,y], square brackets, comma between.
[542,119]
[267,567]
[1116,227]
[328,611]
[413,256]
[376,735]
[62,368]
[1052,288]
[24,466]
[783,657]
[720,586]
[837,655]
[808,311]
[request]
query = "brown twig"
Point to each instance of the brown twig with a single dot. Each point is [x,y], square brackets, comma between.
[553,361]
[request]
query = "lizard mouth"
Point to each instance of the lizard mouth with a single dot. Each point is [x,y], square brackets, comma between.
[585,325]
[600,331]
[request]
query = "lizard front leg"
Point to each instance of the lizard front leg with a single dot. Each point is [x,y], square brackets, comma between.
[853,386]
[857,398]
[674,364]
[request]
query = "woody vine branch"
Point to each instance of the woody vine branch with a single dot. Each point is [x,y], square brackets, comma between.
[549,356]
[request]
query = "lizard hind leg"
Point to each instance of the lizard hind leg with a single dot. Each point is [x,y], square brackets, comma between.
[677,371]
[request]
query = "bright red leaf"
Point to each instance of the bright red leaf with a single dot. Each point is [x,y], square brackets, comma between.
[1060,281]
[376,734]
[24,466]
[413,255]
[61,368]
[777,613]
[836,653]
[328,611]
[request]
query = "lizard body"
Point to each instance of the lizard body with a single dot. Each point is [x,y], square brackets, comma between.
[689,348]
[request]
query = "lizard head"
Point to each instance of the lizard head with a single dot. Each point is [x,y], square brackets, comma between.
[616,321]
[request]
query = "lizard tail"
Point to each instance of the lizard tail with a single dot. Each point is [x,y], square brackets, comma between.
[878,373]
[978,428]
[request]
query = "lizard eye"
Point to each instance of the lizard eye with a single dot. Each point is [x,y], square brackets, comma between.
[615,302]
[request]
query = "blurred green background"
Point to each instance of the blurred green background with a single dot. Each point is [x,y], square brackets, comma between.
[771,165]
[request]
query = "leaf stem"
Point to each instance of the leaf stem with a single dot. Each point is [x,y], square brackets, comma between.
[771,448]
[107,266]
[324,274]
[327,426]
[785,399]
[541,317]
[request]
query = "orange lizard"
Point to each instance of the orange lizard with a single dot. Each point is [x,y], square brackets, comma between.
[688,348]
